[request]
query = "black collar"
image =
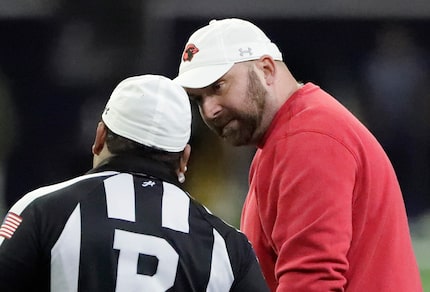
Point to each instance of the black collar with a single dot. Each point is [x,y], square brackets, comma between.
[137,165]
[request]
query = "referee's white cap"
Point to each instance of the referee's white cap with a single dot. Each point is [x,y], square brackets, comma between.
[212,50]
[151,110]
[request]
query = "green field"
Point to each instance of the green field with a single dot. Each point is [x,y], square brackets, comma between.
[425,277]
[420,231]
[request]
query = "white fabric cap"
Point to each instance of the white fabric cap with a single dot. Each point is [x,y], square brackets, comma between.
[212,50]
[151,110]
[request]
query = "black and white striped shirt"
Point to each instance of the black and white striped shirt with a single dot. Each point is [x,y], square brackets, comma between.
[126,226]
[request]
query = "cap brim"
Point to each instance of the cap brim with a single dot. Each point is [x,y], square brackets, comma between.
[202,76]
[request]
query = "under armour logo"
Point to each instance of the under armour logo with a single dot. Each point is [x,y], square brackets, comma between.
[148,183]
[106,110]
[248,51]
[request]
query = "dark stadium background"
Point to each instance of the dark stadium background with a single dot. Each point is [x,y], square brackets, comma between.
[60,60]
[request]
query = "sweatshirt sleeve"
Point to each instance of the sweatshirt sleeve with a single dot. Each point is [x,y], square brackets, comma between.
[311,227]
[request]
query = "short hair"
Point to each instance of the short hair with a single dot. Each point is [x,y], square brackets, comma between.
[117,145]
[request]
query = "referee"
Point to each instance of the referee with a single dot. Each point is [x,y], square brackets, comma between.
[127,225]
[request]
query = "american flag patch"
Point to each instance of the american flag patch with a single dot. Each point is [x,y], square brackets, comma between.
[10,224]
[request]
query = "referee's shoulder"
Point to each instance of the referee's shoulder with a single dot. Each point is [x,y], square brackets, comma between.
[226,230]
[57,190]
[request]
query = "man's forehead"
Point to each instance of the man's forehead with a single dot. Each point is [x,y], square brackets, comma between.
[199,91]
[194,91]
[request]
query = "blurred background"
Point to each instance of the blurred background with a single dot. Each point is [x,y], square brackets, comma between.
[60,60]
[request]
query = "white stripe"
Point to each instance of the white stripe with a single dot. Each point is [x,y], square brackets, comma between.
[221,277]
[65,255]
[40,192]
[15,218]
[14,222]
[120,197]
[175,208]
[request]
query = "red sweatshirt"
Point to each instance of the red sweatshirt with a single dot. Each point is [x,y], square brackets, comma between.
[324,210]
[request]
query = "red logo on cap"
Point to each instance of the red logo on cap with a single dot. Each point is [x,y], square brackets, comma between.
[189,52]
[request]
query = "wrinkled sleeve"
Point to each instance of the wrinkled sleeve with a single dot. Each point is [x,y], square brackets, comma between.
[312,185]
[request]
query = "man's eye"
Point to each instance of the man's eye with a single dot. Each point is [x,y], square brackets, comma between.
[216,86]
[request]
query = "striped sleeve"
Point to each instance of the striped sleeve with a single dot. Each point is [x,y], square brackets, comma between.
[10,224]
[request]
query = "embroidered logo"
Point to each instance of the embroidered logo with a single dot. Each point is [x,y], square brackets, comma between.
[148,183]
[247,51]
[10,224]
[189,52]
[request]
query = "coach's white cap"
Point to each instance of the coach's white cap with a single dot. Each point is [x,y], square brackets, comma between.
[212,50]
[151,110]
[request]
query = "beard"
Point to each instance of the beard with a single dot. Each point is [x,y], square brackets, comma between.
[243,126]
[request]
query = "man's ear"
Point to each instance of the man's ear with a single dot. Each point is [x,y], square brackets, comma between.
[268,66]
[100,138]
[184,158]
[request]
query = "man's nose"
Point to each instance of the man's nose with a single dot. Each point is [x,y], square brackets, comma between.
[210,108]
